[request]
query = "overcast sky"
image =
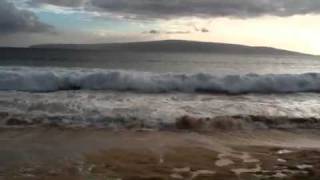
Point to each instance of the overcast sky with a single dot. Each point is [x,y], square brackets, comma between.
[286,24]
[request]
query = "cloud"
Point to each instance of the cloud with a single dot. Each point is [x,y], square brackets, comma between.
[65,3]
[205,30]
[207,8]
[177,32]
[164,9]
[15,20]
[153,31]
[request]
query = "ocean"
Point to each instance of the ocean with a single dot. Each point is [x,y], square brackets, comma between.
[101,115]
[113,89]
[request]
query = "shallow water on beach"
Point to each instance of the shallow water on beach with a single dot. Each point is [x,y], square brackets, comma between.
[85,107]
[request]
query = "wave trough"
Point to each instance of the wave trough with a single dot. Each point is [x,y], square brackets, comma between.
[48,80]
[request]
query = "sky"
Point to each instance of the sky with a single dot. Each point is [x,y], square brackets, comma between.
[286,24]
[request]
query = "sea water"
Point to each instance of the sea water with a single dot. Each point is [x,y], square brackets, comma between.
[155,88]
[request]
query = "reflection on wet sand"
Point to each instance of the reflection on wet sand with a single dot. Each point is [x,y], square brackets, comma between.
[61,153]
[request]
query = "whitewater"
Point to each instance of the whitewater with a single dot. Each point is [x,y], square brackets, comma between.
[31,96]
[31,79]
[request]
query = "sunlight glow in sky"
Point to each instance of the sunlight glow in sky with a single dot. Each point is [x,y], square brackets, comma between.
[286,24]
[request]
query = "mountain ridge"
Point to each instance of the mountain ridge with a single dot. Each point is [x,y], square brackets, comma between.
[173,46]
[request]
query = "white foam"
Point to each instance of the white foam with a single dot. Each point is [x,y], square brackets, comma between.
[44,80]
[117,109]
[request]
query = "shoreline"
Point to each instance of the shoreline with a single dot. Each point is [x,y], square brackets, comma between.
[186,123]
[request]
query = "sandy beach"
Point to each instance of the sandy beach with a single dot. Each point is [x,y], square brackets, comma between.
[159,90]
[53,153]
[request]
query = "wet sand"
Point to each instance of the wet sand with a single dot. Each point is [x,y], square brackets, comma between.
[94,154]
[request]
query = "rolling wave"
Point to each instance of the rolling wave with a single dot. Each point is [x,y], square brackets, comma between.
[48,80]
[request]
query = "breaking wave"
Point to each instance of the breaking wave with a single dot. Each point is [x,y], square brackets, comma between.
[48,80]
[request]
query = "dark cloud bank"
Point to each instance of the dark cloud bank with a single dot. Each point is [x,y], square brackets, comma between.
[13,20]
[203,8]
[17,21]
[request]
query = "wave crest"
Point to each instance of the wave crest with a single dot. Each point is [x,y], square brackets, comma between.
[39,80]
